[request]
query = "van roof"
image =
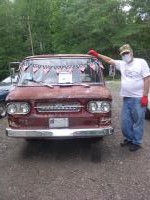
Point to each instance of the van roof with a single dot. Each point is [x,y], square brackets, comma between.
[58,55]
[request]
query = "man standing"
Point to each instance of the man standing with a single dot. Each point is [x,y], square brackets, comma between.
[135,82]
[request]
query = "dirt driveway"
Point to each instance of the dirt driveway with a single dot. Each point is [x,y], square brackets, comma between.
[63,170]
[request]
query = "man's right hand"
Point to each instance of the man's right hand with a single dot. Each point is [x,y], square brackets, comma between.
[93,53]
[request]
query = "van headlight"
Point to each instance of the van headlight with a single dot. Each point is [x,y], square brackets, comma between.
[99,106]
[18,108]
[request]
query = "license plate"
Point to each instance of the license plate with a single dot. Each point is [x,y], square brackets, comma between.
[58,122]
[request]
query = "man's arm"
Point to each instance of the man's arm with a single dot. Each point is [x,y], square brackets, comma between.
[102,57]
[144,100]
[146,85]
[107,59]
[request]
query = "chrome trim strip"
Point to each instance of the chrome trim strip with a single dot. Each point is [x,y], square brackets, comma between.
[50,133]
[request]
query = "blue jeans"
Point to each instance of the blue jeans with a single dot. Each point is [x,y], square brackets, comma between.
[132,119]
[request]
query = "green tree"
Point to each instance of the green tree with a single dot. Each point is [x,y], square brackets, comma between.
[71,26]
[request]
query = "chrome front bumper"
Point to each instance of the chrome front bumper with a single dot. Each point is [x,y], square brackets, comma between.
[59,133]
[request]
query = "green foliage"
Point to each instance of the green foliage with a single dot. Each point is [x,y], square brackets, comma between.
[71,26]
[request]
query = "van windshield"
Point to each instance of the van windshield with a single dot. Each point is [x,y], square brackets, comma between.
[60,71]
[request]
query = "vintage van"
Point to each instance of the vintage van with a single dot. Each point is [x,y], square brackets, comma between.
[59,96]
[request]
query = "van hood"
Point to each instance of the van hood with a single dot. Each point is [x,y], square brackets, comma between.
[59,92]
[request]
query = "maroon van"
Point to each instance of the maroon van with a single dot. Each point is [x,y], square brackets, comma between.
[59,96]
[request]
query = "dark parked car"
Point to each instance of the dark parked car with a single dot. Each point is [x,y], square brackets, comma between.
[5,86]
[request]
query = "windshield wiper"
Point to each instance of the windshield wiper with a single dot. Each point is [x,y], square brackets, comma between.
[46,84]
[71,84]
[84,84]
[42,83]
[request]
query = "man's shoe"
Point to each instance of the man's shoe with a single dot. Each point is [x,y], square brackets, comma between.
[134,147]
[125,143]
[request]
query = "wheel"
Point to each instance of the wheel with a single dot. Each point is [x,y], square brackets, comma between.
[33,140]
[96,150]
[147,114]
[2,109]
[30,140]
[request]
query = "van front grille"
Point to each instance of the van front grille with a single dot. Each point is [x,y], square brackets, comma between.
[59,107]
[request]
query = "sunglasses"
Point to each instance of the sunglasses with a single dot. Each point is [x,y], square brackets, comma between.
[125,53]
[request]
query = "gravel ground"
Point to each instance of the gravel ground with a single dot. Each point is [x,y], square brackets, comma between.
[63,170]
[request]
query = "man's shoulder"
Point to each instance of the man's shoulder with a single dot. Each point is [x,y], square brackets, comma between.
[139,60]
[119,64]
[142,62]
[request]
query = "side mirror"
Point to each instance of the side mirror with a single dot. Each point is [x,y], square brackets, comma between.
[112,70]
[12,72]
